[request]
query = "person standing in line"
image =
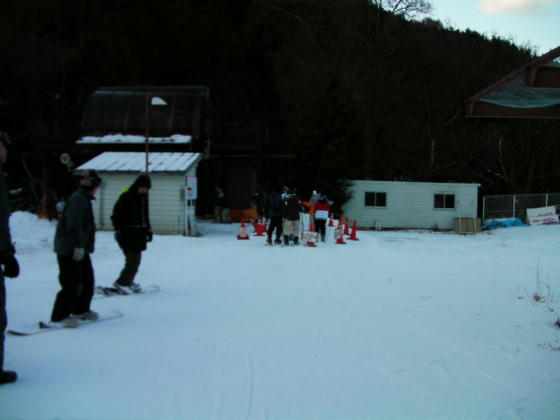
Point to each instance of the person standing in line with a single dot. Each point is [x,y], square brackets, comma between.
[10,266]
[292,209]
[74,241]
[219,205]
[275,206]
[131,221]
[314,197]
[321,211]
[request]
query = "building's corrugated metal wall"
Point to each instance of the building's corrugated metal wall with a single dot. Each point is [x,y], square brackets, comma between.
[411,204]
[167,200]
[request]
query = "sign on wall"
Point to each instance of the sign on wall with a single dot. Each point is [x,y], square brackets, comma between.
[191,187]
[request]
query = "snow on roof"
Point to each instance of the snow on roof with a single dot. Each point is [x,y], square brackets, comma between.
[134,139]
[136,162]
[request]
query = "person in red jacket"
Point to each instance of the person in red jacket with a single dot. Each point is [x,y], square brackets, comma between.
[321,211]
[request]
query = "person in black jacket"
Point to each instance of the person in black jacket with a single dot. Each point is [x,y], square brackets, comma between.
[292,210]
[73,242]
[131,221]
[10,266]
[275,206]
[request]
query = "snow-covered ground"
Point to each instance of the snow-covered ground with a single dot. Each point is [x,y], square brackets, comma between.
[398,325]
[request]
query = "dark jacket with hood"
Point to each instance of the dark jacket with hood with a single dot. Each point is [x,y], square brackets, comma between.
[130,217]
[275,204]
[292,208]
[76,227]
[5,238]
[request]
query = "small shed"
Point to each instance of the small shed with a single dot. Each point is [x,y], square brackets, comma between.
[422,205]
[173,194]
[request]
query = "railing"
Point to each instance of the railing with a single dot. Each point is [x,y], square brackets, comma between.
[515,206]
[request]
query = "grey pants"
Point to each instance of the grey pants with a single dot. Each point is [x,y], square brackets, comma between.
[131,264]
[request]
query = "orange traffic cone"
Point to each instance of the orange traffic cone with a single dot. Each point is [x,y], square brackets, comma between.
[242,230]
[339,235]
[310,241]
[259,228]
[353,236]
[331,221]
[347,227]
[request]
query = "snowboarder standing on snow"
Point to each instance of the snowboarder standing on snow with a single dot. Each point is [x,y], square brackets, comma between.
[275,206]
[292,209]
[10,266]
[321,211]
[73,242]
[131,221]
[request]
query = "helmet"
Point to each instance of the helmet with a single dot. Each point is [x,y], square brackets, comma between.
[89,179]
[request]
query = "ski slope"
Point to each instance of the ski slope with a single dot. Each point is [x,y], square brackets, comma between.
[397,325]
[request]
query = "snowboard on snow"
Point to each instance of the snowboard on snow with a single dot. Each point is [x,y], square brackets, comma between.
[104,291]
[44,326]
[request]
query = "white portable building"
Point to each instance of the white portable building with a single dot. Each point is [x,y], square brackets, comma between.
[423,205]
[172,198]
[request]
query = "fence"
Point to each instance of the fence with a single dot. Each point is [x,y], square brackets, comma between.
[515,206]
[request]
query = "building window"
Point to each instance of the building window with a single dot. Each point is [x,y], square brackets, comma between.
[444,201]
[375,199]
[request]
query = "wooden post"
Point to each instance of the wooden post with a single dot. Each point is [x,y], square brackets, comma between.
[148,105]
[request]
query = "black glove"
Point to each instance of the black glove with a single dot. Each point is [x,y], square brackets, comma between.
[11,266]
[149,235]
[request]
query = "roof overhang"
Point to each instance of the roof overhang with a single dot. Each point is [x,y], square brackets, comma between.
[134,139]
[532,91]
[135,162]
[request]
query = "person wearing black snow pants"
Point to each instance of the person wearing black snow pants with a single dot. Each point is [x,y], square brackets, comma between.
[76,279]
[73,242]
[275,206]
[131,221]
[8,262]
[321,210]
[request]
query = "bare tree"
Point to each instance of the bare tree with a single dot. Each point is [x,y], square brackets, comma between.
[405,8]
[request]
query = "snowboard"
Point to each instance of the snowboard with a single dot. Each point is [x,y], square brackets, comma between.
[104,291]
[44,326]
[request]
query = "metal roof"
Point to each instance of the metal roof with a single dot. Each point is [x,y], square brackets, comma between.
[132,139]
[136,162]
[125,109]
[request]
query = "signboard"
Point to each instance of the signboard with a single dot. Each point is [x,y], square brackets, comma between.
[191,187]
[542,215]
[309,238]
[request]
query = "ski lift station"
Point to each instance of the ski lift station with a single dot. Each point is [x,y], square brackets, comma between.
[173,194]
[412,205]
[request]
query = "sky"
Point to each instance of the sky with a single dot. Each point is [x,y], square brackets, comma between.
[536,22]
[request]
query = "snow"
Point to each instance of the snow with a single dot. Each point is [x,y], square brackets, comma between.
[397,325]
[119,138]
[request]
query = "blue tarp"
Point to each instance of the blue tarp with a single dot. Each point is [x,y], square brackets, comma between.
[501,223]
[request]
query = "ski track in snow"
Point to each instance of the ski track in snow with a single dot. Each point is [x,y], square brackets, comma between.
[446,322]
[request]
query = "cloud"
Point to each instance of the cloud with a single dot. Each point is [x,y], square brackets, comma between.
[520,7]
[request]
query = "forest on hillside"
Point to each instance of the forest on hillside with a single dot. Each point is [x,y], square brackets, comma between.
[353,90]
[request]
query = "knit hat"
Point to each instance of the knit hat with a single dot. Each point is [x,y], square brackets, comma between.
[143,181]
[4,139]
[89,179]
